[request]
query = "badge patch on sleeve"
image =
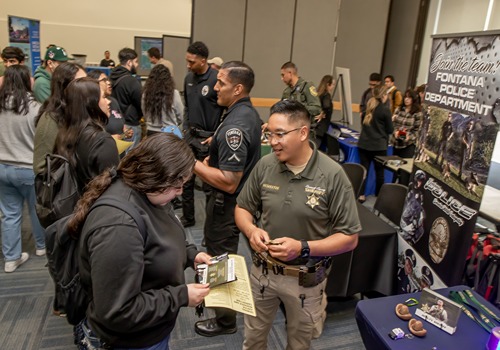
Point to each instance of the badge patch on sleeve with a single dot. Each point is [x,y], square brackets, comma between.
[234,138]
[313,91]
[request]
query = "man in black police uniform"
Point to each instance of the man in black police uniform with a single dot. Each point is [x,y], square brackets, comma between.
[412,220]
[234,151]
[201,115]
[446,134]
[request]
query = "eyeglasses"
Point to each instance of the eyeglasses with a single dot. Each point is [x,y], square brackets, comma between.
[278,135]
[104,79]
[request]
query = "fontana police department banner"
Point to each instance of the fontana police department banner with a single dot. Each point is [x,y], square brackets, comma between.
[25,34]
[453,157]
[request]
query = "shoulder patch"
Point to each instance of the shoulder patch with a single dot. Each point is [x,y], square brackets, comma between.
[313,91]
[234,138]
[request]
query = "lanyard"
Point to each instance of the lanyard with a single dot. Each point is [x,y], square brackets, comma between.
[473,299]
[484,322]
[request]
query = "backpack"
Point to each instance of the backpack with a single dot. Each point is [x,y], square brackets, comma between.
[63,255]
[56,190]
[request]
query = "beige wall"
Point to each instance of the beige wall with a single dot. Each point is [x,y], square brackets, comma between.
[93,26]
[302,31]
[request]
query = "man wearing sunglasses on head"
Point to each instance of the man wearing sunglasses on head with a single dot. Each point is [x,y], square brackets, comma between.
[308,214]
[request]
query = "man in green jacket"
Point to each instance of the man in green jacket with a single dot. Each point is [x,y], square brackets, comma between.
[300,90]
[43,74]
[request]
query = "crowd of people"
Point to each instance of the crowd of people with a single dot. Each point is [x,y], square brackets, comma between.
[136,284]
[388,117]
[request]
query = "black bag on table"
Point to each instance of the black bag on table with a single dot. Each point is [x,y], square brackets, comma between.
[63,256]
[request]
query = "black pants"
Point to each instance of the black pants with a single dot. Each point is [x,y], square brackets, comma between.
[366,157]
[200,152]
[222,235]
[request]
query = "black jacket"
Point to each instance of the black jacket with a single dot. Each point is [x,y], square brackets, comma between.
[127,90]
[375,136]
[137,288]
[95,151]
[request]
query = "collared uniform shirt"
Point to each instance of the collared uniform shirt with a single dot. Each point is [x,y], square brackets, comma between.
[236,144]
[311,205]
[201,108]
[305,93]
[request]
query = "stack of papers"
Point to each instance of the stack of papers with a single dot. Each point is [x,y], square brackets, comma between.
[349,133]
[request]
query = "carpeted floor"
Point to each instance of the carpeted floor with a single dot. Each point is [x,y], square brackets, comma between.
[26,321]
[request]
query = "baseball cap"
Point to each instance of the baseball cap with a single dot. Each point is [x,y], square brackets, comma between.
[216,60]
[56,53]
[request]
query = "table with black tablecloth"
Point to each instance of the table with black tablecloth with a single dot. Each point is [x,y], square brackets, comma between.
[372,265]
[348,142]
[376,318]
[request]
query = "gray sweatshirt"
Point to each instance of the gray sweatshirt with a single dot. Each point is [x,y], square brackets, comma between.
[16,136]
[171,117]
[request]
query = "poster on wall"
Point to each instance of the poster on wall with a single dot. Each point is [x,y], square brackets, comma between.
[25,34]
[142,45]
[461,115]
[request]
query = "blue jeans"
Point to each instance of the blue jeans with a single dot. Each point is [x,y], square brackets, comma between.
[17,185]
[137,136]
[86,339]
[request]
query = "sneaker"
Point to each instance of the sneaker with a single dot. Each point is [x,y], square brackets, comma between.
[59,313]
[40,252]
[11,266]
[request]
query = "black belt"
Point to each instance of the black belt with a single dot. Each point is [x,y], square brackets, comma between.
[309,276]
[200,132]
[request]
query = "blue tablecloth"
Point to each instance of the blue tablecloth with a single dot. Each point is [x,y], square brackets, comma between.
[376,318]
[349,144]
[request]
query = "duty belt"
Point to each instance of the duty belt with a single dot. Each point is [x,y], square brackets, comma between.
[200,132]
[308,276]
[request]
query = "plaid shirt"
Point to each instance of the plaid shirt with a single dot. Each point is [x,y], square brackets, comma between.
[409,123]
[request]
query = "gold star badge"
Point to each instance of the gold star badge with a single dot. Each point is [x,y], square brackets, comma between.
[312,200]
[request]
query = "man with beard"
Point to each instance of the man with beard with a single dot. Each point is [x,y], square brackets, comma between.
[127,90]
[54,56]
[438,311]
[234,151]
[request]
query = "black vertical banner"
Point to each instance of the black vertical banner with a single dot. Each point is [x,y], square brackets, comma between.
[461,117]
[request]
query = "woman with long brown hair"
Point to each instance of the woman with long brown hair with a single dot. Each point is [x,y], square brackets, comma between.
[161,102]
[18,109]
[82,139]
[137,287]
[51,115]
[375,130]
[407,121]
[325,90]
